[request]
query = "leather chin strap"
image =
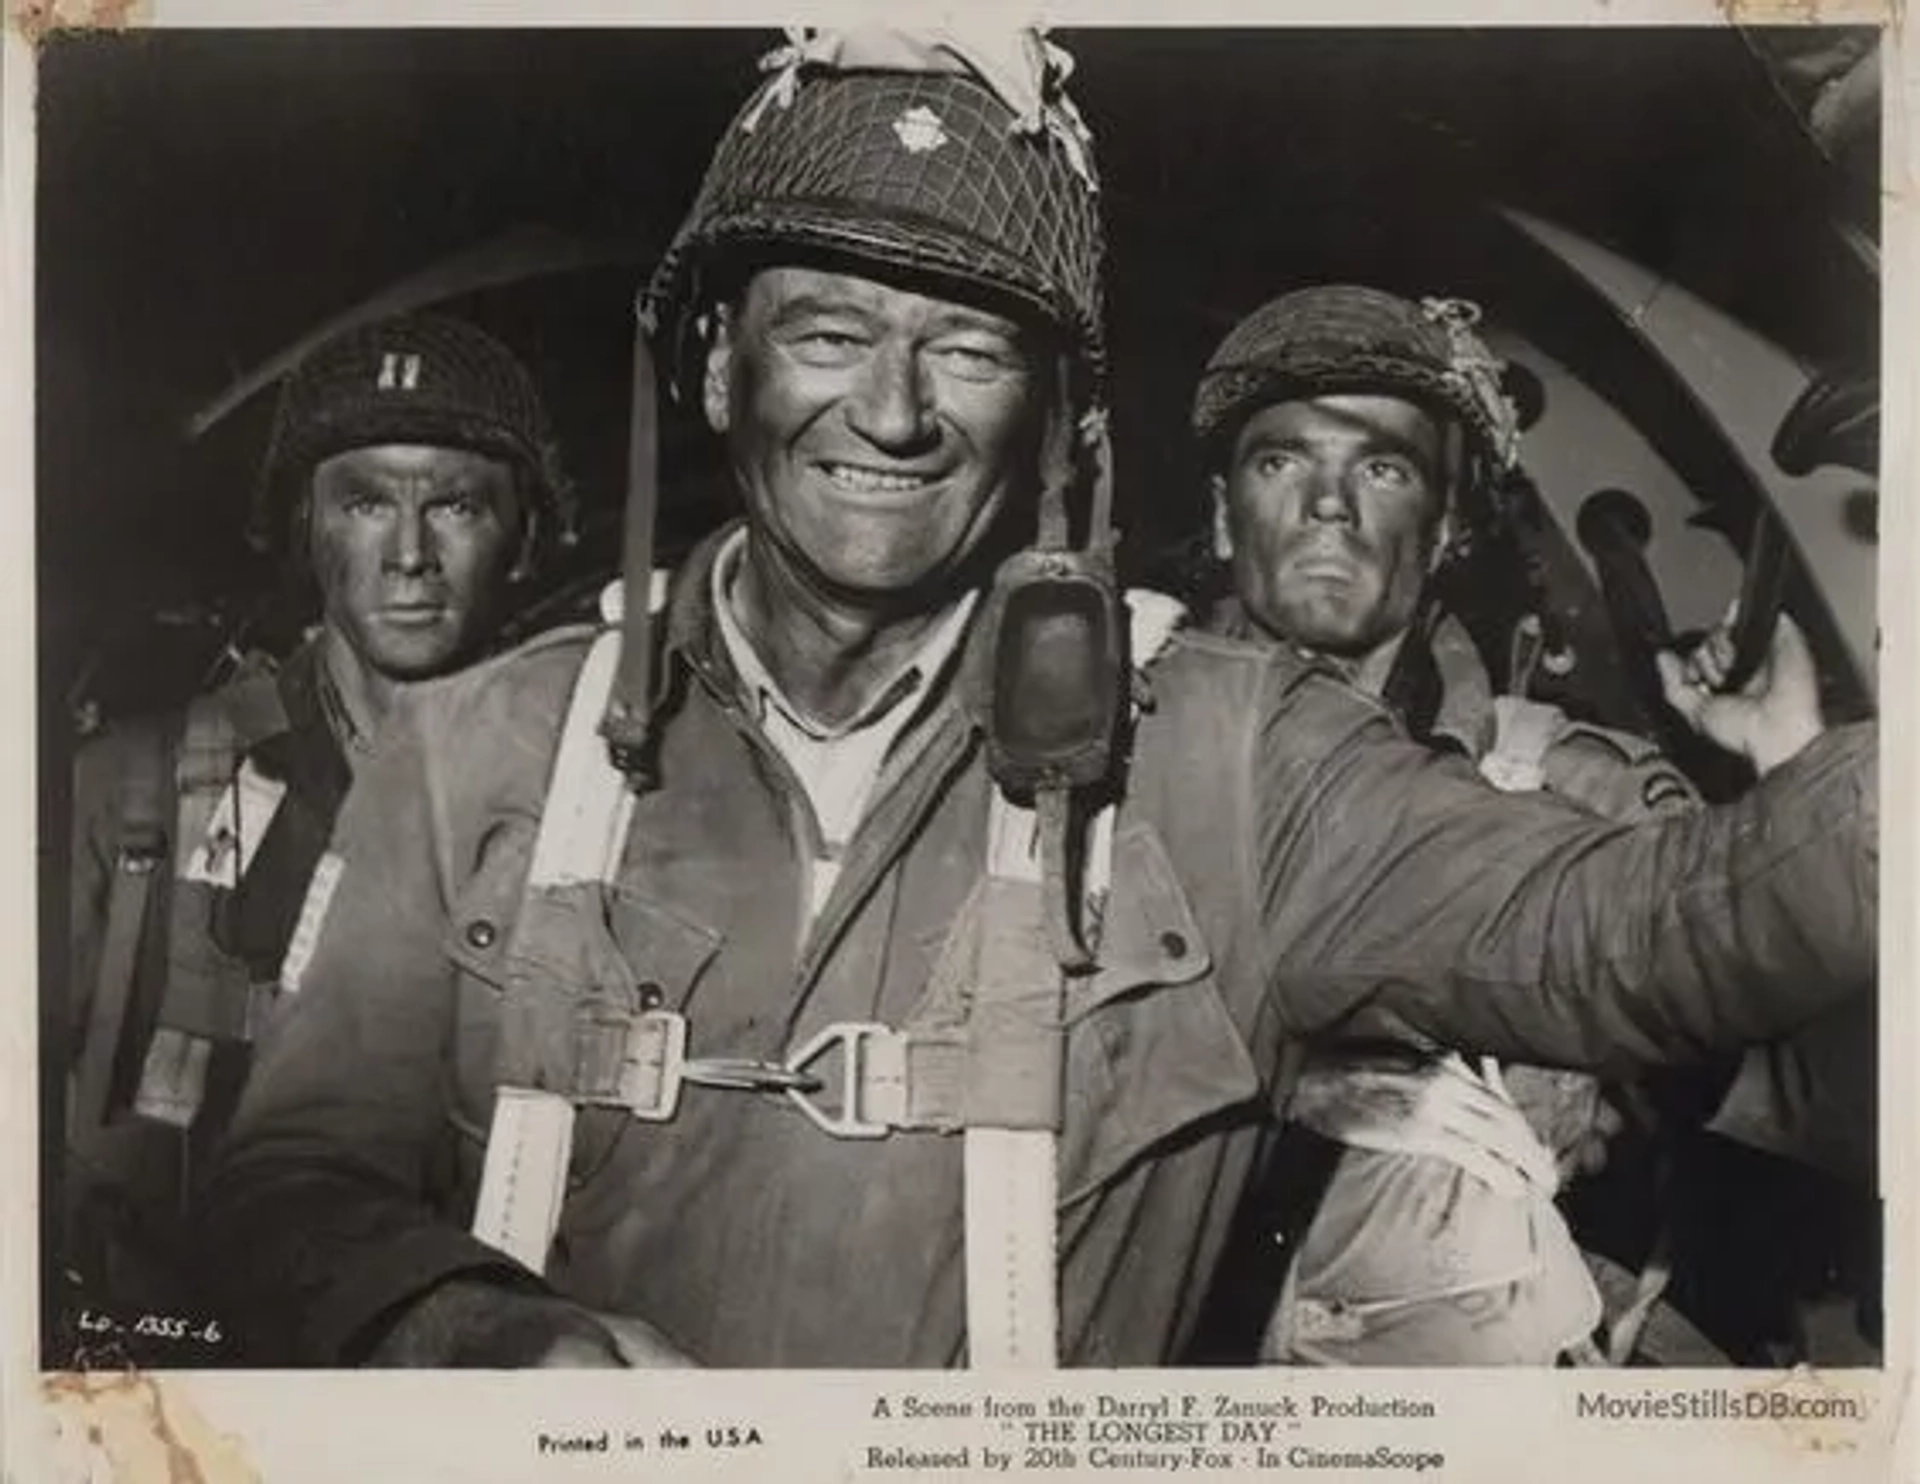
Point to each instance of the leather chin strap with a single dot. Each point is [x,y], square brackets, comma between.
[1054,804]
[1056,467]
[627,724]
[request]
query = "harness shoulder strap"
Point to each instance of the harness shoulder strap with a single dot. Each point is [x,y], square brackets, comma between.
[1016,1040]
[250,709]
[205,996]
[589,807]
[582,833]
[140,848]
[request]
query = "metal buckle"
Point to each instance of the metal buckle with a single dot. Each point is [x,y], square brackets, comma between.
[653,1066]
[262,996]
[745,1074]
[873,1079]
[140,859]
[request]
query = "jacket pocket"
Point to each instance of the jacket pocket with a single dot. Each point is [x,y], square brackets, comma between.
[1151,1047]
[477,940]
[536,966]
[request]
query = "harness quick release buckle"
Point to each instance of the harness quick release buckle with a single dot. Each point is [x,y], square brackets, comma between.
[872,1082]
[653,1067]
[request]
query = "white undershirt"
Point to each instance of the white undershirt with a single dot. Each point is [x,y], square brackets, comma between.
[835,765]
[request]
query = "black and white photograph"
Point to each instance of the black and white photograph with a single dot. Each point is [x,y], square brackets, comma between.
[969,696]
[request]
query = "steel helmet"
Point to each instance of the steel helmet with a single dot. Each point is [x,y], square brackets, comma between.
[1347,338]
[414,379]
[960,159]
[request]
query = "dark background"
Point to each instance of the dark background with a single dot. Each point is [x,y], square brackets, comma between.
[207,197]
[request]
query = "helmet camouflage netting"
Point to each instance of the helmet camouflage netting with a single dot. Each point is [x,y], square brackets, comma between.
[1347,338]
[416,378]
[930,156]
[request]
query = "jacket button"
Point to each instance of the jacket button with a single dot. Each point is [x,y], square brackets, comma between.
[1174,943]
[651,995]
[481,933]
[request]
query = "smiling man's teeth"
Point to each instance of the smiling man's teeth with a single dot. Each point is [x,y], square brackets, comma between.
[850,476]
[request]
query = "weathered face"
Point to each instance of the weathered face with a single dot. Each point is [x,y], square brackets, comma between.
[1331,513]
[876,435]
[412,547]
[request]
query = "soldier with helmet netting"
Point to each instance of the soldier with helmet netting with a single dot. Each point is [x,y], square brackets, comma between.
[409,484]
[1357,444]
[882,943]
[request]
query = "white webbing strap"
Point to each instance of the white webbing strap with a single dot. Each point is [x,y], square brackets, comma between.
[524,1182]
[583,825]
[583,830]
[1012,1181]
[1011,1195]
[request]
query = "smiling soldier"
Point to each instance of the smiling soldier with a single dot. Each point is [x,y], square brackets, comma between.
[409,483]
[901,999]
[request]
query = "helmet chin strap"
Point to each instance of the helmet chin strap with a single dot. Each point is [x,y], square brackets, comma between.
[1412,685]
[1053,803]
[1056,467]
[627,724]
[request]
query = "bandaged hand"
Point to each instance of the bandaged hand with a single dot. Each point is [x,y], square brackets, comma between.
[1439,1107]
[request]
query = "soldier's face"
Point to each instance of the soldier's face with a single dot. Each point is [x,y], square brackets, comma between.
[1330,512]
[875,434]
[412,547]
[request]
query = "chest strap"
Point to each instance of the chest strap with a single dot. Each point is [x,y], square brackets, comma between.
[998,1077]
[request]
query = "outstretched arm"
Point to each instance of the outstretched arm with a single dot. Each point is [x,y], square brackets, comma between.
[1406,899]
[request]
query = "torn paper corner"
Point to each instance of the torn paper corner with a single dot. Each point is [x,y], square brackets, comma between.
[36,19]
[134,1427]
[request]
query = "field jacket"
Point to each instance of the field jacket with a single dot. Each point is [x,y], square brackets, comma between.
[1287,865]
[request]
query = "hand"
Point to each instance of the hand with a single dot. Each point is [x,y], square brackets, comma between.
[1772,718]
[581,1351]
[1439,1107]
[1570,1114]
[473,1322]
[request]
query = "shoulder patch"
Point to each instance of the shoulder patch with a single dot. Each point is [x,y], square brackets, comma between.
[1616,774]
[1664,788]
